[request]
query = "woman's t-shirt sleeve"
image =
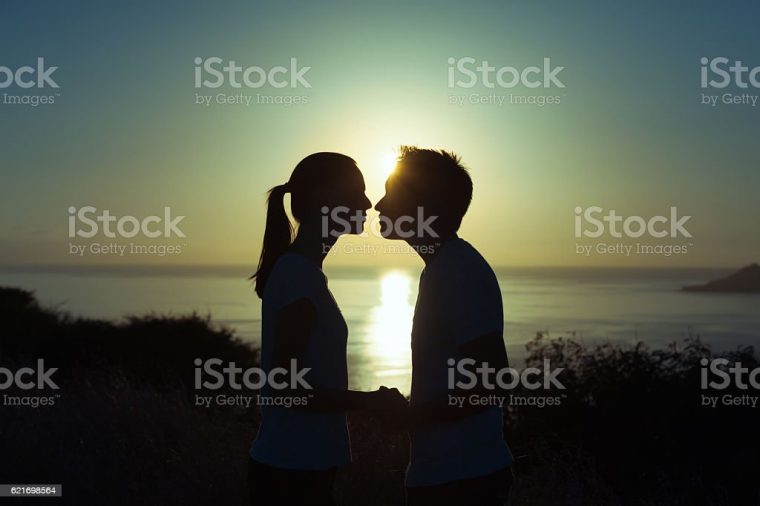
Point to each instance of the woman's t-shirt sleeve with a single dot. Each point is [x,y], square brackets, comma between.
[292,280]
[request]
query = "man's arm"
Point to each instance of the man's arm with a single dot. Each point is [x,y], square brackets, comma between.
[489,350]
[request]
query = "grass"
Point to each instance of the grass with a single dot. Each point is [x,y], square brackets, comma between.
[629,430]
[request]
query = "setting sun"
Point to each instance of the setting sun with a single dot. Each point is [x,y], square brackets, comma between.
[388,163]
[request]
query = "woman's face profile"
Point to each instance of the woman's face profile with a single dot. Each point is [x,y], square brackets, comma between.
[345,206]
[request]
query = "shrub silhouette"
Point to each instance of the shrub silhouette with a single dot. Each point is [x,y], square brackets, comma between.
[629,430]
[635,415]
[152,349]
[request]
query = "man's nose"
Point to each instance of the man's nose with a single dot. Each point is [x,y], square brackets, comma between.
[379,205]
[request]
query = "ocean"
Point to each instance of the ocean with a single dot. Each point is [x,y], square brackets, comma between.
[591,305]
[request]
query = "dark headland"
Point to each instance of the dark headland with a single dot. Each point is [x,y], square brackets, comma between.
[745,280]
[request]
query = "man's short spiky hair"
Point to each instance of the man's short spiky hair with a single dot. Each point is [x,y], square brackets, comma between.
[440,182]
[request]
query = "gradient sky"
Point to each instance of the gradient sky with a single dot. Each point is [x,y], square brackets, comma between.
[629,134]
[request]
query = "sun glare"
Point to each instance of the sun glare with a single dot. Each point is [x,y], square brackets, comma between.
[391,322]
[388,163]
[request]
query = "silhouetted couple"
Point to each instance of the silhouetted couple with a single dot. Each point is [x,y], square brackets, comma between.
[458,453]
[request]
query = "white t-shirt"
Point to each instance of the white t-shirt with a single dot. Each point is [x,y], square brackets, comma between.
[295,438]
[459,300]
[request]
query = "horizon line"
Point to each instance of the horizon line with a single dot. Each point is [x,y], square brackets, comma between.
[252,267]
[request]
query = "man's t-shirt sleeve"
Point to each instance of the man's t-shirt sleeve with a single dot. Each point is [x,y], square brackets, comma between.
[475,305]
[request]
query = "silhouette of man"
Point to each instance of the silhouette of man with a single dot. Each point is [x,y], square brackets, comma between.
[458,454]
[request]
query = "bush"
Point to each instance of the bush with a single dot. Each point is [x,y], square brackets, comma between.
[629,430]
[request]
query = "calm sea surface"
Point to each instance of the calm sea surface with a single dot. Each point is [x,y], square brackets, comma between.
[617,305]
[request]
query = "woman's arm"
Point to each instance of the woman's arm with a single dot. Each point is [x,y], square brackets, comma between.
[294,325]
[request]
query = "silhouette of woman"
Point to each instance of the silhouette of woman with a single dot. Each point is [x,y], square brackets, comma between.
[303,437]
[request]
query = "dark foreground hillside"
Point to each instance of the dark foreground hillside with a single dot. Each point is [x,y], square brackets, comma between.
[629,428]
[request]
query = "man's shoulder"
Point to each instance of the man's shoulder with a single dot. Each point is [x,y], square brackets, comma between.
[465,262]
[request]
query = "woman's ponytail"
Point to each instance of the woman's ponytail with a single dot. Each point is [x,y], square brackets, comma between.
[278,236]
[310,175]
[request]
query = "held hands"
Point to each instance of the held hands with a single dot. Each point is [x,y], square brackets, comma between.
[391,408]
[387,399]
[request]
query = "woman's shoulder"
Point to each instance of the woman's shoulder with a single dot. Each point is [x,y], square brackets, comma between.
[293,273]
[290,262]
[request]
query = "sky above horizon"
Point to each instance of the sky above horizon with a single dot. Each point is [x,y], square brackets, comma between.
[630,132]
